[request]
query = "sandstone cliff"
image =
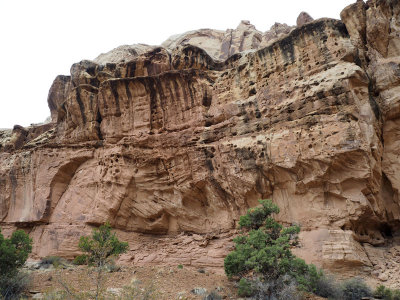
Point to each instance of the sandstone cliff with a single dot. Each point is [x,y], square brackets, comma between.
[171,144]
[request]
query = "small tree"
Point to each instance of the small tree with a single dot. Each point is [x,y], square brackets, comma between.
[264,248]
[354,289]
[100,248]
[13,254]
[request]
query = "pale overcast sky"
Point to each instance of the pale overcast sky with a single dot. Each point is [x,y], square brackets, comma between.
[41,39]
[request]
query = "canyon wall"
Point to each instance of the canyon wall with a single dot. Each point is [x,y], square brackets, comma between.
[172,143]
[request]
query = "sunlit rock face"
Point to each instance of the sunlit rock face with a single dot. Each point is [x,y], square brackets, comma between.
[172,143]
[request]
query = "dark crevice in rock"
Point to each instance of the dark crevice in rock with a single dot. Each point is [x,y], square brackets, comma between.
[372,95]
[81,105]
[113,87]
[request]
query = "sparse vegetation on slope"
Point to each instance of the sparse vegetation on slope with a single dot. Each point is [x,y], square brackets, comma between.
[100,249]
[382,292]
[354,289]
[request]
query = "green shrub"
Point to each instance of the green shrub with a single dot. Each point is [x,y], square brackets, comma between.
[382,292]
[396,295]
[355,289]
[180,266]
[307,276]
[328,287]
[80,260]
[245,288]
[263,248]
[101,248]
[13,254]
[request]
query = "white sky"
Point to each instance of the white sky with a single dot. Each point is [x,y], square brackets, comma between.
[41,39]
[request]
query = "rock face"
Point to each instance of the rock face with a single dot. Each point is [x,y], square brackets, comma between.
[172,144]
[221,45]
[303,18]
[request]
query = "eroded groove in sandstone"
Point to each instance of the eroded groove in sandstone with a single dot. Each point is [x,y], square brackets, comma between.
[60,183]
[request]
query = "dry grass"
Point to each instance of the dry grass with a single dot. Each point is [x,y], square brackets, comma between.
[165,282]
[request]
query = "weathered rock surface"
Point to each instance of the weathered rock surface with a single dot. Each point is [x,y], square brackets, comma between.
[220,45]
[303,18]
[180,140]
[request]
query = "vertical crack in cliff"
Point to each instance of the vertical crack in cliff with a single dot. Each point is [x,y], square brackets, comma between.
[99,119]
[80,103]
[114,91]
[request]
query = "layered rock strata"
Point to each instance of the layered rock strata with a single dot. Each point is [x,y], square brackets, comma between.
[172,144]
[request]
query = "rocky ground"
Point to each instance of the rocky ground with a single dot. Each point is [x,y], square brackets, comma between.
[167,282]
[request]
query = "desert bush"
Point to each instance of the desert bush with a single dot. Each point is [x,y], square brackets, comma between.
[66,294]
[328,287]
[396,295]
[213,296]
[80,260]
[264,248]
[14,252]
[382,292]
[13,286]
[282,288]
[65,288]
[55,295]
[55,261]
[101,248]
[245,288]
[135,291]
[306,276]
[111,266]
[355,289]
